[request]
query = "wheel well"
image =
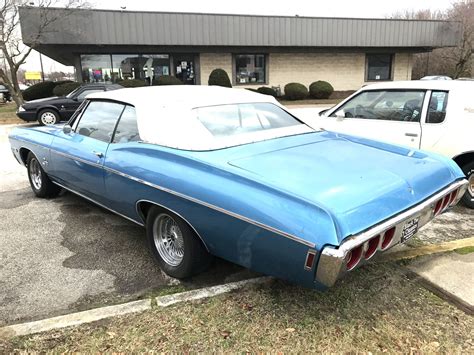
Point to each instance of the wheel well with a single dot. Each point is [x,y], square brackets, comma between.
[143,208]
[24,154]
[464,158]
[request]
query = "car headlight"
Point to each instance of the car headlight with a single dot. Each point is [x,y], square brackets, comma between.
[21,109]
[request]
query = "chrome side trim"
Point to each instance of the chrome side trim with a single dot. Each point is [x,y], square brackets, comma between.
[176,213]
[211,206]
[216,208]
[72,157]
[98,203]
[331,263]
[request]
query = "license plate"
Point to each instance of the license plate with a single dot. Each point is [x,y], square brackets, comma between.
[409,229]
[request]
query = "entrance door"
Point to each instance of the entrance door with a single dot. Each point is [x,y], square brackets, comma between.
[184,68]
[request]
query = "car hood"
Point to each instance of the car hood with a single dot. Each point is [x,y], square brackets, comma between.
[357,181]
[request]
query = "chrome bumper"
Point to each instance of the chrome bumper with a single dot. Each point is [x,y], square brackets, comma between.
[332,260]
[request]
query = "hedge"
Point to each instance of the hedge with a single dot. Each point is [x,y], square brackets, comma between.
[295,91]
[167,80]
[131,83]
[320,90]
[40,90]
[219,77]
[267,91]
[66,88]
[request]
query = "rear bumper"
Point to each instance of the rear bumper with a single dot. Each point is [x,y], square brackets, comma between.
[332,260]
[27,115]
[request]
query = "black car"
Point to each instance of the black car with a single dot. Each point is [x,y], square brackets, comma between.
[5,92]
[51,110]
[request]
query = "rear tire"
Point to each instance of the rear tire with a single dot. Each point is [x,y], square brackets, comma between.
[468,198]
[175,246]
[40,183]
[48,117]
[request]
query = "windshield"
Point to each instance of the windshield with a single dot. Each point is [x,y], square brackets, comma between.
[73,92]
[235,119]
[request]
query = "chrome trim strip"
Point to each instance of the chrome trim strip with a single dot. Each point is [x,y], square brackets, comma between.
[332,259]
[216,208]
[72,157]
[98,203]
[169,209]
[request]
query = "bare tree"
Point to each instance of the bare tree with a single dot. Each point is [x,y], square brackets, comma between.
[456,61]
[12,48]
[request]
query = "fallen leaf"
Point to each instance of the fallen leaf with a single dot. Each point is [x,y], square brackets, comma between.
[290,330]
[111,334]
[225,334]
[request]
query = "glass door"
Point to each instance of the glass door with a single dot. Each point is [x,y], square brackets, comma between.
[184,68]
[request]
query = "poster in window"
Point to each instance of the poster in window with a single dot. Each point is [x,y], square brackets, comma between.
[166,70]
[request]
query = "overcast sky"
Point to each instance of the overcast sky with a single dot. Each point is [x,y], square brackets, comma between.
[323,8]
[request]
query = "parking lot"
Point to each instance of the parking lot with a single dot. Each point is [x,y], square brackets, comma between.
[66,254]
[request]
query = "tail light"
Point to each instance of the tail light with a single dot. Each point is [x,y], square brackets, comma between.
[438,206]
[353,257]
[371,247]
[444,202]
[453,197]
[387,238]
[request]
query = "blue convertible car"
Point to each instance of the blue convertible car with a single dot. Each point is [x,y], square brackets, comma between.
[228,172]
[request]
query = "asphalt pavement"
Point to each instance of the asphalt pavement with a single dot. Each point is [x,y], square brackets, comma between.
[65,254]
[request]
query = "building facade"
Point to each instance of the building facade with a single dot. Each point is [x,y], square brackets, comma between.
[109,46]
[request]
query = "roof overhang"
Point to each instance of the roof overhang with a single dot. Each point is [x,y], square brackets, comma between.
[104,31]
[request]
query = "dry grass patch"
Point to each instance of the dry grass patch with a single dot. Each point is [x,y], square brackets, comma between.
[377,309]
[8,114]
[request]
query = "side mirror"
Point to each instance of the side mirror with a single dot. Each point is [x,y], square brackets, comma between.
[67,129]
[340,115]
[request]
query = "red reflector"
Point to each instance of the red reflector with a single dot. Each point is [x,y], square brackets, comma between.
[445,202]
[353,257]
[437,209]
[309,260]
[388,237]
[453,196]
[372,246]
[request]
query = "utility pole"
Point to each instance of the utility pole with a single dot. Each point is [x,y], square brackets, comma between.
[42,71]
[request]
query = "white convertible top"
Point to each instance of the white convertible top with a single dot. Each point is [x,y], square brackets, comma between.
[165,115]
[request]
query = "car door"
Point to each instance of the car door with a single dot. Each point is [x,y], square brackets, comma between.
[71,104]
[392,116]
[434,125]
[78,156]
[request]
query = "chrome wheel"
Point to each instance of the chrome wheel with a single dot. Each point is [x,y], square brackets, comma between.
[48,118]
[168,239]
[35,174]
[470,187]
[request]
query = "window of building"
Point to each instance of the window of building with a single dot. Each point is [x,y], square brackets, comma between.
[437,107]
[127,128]
[250,68]
[99,119]
[141,67]
[379,67]
[390,105]
[96,68]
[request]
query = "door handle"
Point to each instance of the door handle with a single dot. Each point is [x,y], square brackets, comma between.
[411,134]
[98,154]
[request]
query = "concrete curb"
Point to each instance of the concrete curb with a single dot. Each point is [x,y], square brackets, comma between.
[94,315]
[410,253]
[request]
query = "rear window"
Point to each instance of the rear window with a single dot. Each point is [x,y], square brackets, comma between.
[235,119]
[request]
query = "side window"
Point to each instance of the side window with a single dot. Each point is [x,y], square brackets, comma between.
[99,119]
[86,92]
[389,105]
[127,129]
[437,107]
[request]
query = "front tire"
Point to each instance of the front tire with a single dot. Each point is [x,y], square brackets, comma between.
[48,117]
[174,244]
[468,198]
[40,183]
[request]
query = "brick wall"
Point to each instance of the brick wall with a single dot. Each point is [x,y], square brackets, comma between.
[345,71]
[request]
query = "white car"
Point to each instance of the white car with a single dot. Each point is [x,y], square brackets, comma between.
[435,115]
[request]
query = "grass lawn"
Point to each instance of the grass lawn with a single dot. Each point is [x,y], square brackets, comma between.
[8,115]
[377,309]
[328,102]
